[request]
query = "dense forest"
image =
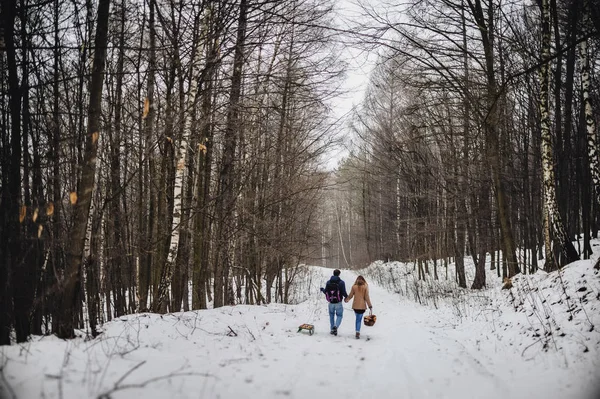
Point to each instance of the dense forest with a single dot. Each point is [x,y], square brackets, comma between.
[161,156]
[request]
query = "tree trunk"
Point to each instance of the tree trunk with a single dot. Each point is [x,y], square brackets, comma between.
[225,201]
[554,218]
[92,280]
[23,279]
[561,148]
[146,225]
[181,271]
[483,228]
[203,221]
[115,220]
[491,134]
[590,123]
[11,196]
[168,268]
[72,278]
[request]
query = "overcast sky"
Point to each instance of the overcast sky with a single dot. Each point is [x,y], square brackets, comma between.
[360,65]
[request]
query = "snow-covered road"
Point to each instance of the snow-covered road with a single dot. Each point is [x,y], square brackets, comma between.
[411,352]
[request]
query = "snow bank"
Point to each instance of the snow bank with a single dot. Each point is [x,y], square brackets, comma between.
[549,319]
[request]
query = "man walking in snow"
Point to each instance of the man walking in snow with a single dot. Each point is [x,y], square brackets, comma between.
[335,291]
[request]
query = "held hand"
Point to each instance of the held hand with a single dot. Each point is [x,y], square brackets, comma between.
[346,300]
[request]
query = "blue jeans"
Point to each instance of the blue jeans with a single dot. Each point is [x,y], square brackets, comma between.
[359,317]
[336,309]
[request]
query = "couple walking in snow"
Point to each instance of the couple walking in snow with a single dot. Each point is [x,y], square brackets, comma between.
[335,291]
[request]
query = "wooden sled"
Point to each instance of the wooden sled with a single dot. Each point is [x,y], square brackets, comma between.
[309,327]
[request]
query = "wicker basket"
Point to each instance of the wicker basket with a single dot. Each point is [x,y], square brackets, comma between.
[370,319]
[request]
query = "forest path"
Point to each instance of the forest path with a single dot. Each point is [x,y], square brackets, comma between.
[407,354]
[413,351]
[403,356]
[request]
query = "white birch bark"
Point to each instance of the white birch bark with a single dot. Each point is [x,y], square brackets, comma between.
[167,272]
[554,219]
[590,123]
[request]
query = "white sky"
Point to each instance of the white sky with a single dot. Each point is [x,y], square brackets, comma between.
[360,65]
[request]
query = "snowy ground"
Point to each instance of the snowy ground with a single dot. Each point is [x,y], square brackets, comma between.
[491,344]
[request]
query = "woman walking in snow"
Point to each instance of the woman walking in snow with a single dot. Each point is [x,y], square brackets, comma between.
[360,293]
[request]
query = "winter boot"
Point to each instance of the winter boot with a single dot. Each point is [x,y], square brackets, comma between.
[357,335]
[334,330]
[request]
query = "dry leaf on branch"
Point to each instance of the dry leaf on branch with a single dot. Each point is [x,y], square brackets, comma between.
[146,108]
[35,215]
[73,197]
[202,147]
[40,229]
[22,213]
[49,209]
[95,137]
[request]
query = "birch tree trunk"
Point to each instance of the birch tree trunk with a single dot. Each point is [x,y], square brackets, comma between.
[561,147]
[167,271]
[590,123]
[554,218]
[72,278]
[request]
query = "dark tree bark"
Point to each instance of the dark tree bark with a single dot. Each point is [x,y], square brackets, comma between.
[592,160]
[57,254]
[72,278]
[491,134]
[92,280]
[11,196]
[483,228]
[225,201]
[23,278]
[146,224]
[203,224]
[117,260]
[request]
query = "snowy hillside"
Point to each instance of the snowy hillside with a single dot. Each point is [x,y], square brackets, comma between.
[540,339]
[552,312]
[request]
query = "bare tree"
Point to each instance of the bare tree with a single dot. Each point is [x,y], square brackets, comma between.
[554,218]
[82,198]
